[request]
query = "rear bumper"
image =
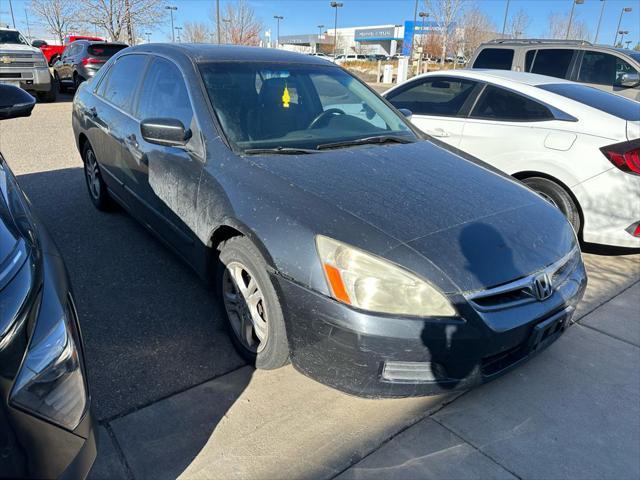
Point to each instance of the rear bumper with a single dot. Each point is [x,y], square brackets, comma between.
[373,356]
[610,204]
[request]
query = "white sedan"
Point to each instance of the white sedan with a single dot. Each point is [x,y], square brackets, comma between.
[577,146]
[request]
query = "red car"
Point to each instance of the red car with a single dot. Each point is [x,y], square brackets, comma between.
[54,52]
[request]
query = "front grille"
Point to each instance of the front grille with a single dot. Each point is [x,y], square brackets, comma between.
[10,75]
[498,362]
[18,64]
[17,60]
[521,291]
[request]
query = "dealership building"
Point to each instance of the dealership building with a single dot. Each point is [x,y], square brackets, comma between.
[375,39]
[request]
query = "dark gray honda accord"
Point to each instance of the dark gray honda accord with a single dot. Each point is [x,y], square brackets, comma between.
[376,260]
[46,428]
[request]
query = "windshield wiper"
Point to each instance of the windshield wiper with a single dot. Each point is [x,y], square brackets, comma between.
[280,151]
[379,139]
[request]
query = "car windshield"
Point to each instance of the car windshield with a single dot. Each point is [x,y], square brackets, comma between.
[11,36]
[610,103]
[273,106]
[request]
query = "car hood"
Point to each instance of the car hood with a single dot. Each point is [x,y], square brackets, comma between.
[17,47]
[464,218]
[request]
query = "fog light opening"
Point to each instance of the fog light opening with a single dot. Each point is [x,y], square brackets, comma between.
[413,372]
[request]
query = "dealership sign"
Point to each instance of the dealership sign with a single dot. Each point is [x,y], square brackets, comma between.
[375,34]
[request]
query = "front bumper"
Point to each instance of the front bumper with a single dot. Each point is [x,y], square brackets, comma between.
[353,351]
[34,447]
[37,79]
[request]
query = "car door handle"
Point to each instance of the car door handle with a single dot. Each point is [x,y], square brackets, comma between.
[439,132]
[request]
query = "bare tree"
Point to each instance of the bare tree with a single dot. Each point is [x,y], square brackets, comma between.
[57,16]
[239,24]
[519,23]
[446,14]
[478,28]
[195,32]
[558,24]
[119,18]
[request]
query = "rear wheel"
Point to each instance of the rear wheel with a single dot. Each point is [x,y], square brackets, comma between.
[61,87]
[95,184]
[557,196]
[253,310]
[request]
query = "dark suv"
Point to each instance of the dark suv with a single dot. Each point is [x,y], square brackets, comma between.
[610,69]
[81,60]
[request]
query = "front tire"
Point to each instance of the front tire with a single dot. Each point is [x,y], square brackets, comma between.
[254,314]
[98,192]
[51,95]
[557,196]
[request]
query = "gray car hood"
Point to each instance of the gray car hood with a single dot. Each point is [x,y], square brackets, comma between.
[479,228]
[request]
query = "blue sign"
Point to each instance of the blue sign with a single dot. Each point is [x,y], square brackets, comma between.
[429,27]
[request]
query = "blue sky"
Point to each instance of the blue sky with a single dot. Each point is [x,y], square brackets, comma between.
[303,16]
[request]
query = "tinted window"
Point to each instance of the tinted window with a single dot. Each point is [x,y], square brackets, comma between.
[528,61]
[553,62]
[607,102]
[164,94]
[598,67]
[499,104]
[499,58]
[436,96]
[104,50]
[120,86]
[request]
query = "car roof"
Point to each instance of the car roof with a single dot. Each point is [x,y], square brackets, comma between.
[532,79]
[202,52]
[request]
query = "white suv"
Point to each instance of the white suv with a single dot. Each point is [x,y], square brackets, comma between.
[577,146]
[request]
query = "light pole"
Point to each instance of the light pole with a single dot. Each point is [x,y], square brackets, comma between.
[148,34]
[13,19]
[504,23]
[599,21]
[171,10]
[26,16]
[573,6]
[227,22]
[628,42]
[624,10]
[320,27]
[179,29]
[413,31]
[278,18]
[423,16]
[218,20]
[335,5]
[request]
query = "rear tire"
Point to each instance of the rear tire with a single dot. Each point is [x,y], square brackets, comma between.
[254,314]
[558,197]
[62,88]
[98,192]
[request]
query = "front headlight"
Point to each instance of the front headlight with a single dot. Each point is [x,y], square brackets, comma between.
[371,283]
[50,382]
[39,60]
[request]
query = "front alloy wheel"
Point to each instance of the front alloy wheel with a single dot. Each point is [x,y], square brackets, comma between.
[254,314]
[245,307]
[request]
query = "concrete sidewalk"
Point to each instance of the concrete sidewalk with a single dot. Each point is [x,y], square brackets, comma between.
[573,412]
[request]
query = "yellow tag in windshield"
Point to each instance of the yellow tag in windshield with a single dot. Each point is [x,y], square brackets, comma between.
[286,98]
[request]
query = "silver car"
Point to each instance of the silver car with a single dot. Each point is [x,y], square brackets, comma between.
[607,68]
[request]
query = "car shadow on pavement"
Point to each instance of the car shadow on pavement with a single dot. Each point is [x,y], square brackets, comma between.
[151,327]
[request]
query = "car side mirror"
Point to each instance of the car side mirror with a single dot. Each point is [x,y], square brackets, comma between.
[39,43]
[406,112]
[168,132]
[629,79]
[15,102]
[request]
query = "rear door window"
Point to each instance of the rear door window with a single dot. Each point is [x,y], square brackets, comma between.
[499,104]
[498,58]
[554,62]
[438,96]
[124,76]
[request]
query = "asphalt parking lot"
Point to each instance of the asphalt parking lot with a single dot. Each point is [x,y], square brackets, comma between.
[174,399]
